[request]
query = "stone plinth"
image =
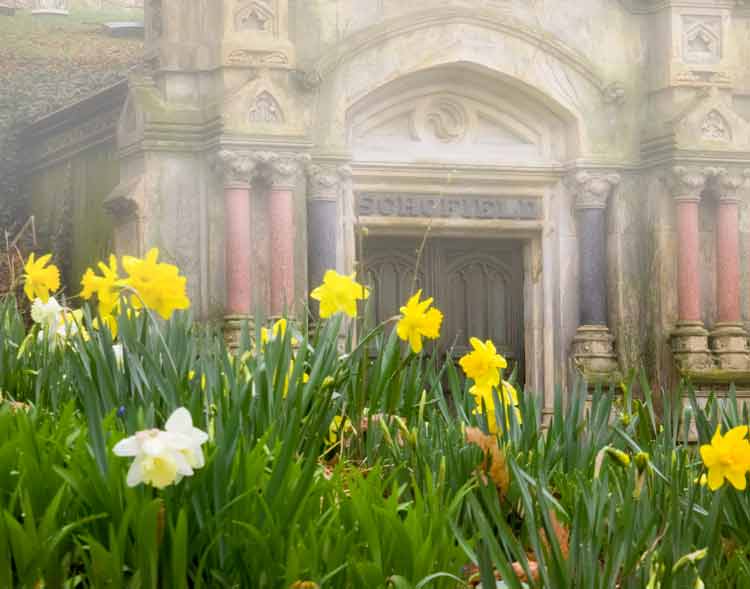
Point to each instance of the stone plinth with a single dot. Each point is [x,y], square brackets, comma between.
[233,325]
[690,347]
[729,344]
[594,354]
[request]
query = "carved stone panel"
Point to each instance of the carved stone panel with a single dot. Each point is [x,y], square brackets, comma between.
[386,204]
[266,109]
[255,15]
[701,39]
[715,127]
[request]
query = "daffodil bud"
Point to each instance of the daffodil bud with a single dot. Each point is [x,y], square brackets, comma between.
[691,558]
[642,460]
[620,456]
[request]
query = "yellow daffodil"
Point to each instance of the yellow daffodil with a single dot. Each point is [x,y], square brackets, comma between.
[106,287]
[40,279]
[305,378]
[278,329]
[418,321]
[159,285]
[338,426]
[727,457]
[483,364]
[484,396]
[339,294]
[191,376]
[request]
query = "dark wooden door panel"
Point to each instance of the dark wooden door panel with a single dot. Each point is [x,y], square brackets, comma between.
[477,283]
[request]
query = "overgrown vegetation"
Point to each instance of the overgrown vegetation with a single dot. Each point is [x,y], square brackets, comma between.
[342,463]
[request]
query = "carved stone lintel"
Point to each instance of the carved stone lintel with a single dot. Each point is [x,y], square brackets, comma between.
[237,169]
[729,344]
[690,347]
[686,184]
[593,190]
[594,354]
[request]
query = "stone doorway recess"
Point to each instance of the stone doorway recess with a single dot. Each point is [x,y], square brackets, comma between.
[477,283]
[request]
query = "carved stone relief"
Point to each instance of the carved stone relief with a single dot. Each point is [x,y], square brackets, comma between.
[715,127]
[266,109]
[701,39]
[446,119]
[254,16]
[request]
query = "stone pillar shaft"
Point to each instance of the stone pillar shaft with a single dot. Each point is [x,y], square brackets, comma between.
[283,238]
[728,337]
[690,338]
[593,345]
[284,171]
[593,266]
[688,277]
[238,250]
[322,222]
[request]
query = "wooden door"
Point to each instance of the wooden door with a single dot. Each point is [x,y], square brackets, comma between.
[477,283]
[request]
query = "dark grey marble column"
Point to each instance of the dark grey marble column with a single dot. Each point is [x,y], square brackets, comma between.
[593,345]
[593,265]
[322,221]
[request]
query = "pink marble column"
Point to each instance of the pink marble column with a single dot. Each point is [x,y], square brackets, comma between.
[688,272]
[238,248]
[728,337]
[238,172]
[728,251]
[285,171]
[690,338]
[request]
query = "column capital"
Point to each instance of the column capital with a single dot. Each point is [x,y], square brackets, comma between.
[237,169]
[282,169]
[686,184]
[594,189]
[729,185]
[325,180]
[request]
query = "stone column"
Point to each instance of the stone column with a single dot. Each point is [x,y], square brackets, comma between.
[690,338]
[238,172]
[324,185]
[593,345]
[284,171]
[729,338]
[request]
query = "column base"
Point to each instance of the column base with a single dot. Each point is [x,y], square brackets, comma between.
[690,347]
[729,344]
[233,329]
[594,354]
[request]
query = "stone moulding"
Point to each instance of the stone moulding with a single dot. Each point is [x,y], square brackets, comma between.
[499,22]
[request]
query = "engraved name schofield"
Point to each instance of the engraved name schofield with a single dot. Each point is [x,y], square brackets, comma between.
[381,204]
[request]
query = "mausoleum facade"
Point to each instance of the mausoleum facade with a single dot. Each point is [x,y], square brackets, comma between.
[566,178]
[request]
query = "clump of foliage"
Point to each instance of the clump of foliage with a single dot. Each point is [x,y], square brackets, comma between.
[342,463]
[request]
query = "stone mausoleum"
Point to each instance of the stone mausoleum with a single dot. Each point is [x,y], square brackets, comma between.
[568,178]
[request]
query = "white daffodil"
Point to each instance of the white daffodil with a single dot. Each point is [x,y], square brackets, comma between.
[47,315]
[180,425]
[162,458]
[156,461]
[119,353]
